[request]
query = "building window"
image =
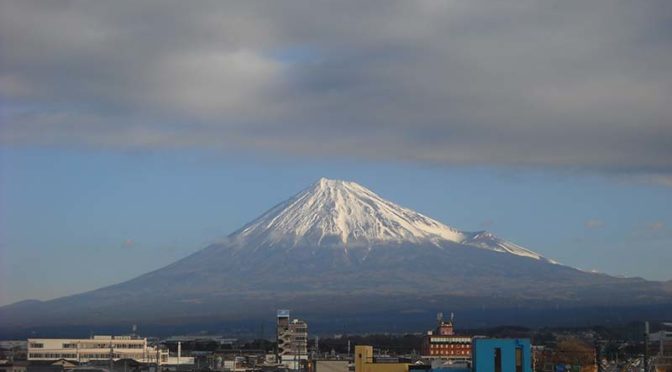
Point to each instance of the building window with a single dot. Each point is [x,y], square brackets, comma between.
[519,359]
[498,359]
[36,345]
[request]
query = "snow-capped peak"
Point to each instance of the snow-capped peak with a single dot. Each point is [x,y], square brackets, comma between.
[342,212]
[345,212]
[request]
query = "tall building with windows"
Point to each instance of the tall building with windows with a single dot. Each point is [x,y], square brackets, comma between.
[443,343]
[95,348]
[292,340]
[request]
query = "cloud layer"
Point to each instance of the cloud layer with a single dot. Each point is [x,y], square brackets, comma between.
[562,84]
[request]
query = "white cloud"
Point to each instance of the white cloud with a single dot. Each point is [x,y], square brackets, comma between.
[216,84]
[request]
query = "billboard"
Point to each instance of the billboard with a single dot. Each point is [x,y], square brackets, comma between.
[283,313]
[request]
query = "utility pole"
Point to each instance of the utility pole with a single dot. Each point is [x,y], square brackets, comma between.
[646,346]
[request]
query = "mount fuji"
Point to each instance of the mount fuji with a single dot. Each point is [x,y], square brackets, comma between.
[348,215]
[340,254]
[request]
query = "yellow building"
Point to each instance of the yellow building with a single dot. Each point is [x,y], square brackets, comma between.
[364,362]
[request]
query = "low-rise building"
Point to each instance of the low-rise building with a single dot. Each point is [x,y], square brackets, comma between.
[95,348]
[660,346]
[13,366]
[365,362]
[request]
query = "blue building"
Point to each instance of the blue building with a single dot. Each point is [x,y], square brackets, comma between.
[501,355]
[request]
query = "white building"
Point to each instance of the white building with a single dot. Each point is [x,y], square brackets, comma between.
[96,348]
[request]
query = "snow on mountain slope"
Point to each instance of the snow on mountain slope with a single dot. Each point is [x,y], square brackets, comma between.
[339,212]
[484,239]
[347,211]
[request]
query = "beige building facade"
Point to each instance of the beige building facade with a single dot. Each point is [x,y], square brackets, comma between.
[95,348]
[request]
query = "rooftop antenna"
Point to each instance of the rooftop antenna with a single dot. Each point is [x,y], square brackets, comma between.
[452,315]
[439,318]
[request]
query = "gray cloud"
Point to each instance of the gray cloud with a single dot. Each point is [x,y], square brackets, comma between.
[561,84]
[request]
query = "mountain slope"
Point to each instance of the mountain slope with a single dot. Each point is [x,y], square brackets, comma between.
[337,248]
[333,212]
[342,212]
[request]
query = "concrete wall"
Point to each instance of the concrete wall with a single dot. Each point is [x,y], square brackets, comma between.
[331,366]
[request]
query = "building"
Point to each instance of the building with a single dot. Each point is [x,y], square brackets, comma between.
[11,350]
[660,347]
[442,343]
[95,348]
[502,355]
[365,362]
[13,366]
[292,338]
[488,355]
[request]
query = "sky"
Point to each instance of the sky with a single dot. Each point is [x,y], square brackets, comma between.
[135,133]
